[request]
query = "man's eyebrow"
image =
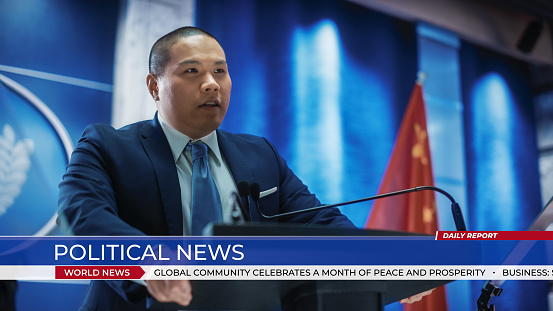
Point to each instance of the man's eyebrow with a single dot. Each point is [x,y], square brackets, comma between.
[196,62]
[189,62]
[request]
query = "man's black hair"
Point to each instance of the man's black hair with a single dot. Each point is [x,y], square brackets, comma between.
[159,54]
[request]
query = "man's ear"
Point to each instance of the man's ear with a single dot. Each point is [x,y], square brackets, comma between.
[151,82]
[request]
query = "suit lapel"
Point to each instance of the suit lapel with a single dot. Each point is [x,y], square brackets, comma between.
[236,161]
[157,148]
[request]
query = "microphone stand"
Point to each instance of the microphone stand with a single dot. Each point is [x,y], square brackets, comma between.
[488,291]
[455,209]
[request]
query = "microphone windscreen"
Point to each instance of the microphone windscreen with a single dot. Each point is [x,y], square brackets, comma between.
[243,188]
[255,190]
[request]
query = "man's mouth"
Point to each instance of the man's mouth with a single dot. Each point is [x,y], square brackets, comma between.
[210,104]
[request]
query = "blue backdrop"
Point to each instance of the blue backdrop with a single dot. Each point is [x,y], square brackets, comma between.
[72,39]
[62,51]
[502,156]
[327,82]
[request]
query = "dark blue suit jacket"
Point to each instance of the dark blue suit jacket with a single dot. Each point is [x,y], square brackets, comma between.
[124,182]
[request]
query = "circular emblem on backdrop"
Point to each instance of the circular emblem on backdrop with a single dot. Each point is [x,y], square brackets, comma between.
[34,151]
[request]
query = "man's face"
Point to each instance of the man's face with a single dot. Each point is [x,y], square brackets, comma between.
[193,93]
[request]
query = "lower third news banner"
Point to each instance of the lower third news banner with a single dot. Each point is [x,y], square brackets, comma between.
[447,256]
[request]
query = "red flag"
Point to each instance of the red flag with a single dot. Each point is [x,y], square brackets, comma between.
[410,166]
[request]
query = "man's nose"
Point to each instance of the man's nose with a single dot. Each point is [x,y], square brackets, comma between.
[210,85]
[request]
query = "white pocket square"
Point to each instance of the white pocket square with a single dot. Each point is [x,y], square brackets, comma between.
[267,192]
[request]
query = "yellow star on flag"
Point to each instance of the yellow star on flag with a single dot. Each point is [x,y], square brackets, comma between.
[418,148]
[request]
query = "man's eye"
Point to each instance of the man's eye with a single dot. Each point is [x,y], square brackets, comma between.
[191,70]
[220,70]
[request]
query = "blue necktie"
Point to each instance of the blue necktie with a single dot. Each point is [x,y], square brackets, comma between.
[206,204]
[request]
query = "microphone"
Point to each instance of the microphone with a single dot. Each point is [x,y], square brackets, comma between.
[237,208]
[455,209]
[244,191]
[255,191]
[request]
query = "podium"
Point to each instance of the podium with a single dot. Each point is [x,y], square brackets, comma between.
[296,295]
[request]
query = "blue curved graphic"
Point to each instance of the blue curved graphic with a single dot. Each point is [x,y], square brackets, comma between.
[34,150]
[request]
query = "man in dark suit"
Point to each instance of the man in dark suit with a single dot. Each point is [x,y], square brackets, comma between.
[136,180]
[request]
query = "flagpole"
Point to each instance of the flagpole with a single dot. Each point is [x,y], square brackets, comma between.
[421,76]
